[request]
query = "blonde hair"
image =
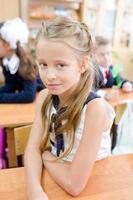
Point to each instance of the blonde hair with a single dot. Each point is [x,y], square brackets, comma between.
[76,35]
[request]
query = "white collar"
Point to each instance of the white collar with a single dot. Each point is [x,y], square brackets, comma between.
[103,69]
[11,64]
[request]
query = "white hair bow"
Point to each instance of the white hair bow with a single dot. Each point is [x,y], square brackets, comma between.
[13,31]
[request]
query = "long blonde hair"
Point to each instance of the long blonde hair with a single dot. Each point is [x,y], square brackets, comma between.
[62,28]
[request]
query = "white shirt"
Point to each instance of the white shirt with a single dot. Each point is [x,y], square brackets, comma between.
[104,74]
[105,147]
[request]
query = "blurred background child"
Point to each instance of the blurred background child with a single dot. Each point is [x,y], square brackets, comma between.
[19,68]
[103,57]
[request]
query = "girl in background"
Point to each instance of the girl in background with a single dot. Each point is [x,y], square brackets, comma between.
[69,116]
[19,69]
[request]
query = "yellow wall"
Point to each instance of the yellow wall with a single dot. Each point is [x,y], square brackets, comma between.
[9,9]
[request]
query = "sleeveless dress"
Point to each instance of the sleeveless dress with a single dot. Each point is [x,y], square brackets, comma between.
[58,146]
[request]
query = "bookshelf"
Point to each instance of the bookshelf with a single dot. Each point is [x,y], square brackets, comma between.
[34,11]
[112,19]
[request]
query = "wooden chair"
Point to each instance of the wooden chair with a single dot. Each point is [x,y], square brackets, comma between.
[21,135]
[119,110]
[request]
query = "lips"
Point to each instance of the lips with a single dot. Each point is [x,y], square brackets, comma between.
[53,86]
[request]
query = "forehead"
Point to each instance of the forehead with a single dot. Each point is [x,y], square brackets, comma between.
[52,48]
[104,48]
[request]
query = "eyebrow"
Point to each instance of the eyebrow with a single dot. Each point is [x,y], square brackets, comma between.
[55,61]
[40,60]
[60,61]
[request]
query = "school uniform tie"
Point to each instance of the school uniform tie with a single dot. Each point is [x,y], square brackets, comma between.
[53,126]
[107,74]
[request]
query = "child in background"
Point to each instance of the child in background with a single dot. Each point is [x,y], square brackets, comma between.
[67,111]
[103,55]
[19,69]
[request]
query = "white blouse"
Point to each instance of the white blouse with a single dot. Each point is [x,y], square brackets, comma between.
[105,147]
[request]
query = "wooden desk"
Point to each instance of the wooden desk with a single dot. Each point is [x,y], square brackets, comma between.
[111,178]
[21,114]
[122,97]
[16,114]
[13,115]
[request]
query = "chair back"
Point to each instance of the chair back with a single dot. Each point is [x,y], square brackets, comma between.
[119,110]
[21,135]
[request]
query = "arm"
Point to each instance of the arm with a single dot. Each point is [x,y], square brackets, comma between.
[7,88]
[32,158]
[126,85]
[69,176]
[27,95]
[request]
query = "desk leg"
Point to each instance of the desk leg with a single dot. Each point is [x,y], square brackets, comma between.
[12,159]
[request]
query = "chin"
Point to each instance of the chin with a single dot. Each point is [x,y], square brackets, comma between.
[54,92]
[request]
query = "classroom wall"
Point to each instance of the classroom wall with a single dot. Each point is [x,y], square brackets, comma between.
[126,58]
[9,9]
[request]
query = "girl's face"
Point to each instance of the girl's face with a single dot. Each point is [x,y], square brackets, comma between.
[3,49]
[59,67]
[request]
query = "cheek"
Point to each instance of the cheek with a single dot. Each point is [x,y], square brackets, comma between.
[42,75]
[110,58]
[102,61]
[99,59]
[2,51]
[72,77]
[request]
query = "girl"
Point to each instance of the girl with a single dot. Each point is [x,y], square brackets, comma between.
[18,67]
[74,120]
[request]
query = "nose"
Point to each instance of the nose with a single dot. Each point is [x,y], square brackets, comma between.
[50,75]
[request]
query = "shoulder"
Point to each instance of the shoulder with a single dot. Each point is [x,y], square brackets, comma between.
[96,112]
[41,98]
[92,95]
[96,104]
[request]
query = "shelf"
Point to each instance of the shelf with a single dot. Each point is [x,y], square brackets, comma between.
[104,17]
[66,4]
[43,10]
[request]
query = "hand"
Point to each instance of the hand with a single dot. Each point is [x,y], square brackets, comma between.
[47,155]
[127,87]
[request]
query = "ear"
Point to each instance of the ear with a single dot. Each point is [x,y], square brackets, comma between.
[84,64]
